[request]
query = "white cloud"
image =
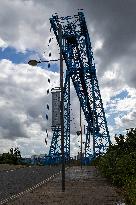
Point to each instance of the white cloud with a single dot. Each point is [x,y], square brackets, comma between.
[25,25]
[3,44]
[98,45]
[127,121]
[23,102]
[127,104]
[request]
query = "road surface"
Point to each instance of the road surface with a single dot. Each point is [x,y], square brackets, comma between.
[15,181]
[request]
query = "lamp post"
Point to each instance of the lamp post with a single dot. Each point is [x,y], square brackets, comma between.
[81,136]
[62,109]
[34,63]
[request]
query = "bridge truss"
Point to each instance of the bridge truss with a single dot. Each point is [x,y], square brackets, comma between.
[78,56]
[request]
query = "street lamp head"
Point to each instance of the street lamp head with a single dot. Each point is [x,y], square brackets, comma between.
[33,62]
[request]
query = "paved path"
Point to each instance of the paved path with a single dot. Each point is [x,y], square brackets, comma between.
[83,187]
[15,181]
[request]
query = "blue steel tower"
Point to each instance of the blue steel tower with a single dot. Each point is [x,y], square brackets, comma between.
[78,56]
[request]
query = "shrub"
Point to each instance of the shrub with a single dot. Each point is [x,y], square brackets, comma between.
[119,164]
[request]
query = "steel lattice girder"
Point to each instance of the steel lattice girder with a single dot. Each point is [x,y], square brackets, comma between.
[67,116]
[78,55]
[55,143]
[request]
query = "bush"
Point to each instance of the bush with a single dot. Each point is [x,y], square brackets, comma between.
[119,164]
[11,157]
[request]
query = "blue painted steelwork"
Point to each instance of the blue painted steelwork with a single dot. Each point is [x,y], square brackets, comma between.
[78,56]
[67,116]
[54,156]
[55,143]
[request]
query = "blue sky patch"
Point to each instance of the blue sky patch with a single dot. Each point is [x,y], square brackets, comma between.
[13,55]
[121,95]
[53,66]
[16,57]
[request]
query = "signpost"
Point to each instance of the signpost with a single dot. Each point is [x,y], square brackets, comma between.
[55,108]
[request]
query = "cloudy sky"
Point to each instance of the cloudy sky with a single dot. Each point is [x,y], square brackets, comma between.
[25,33]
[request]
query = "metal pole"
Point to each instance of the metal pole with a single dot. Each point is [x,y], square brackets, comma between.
[62,110]
[93,133]
[81,135]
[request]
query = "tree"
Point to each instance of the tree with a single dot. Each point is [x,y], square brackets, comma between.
[17,153]
[12,157]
